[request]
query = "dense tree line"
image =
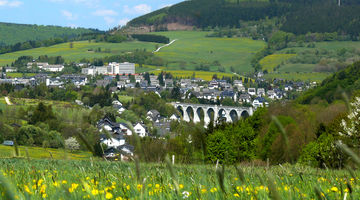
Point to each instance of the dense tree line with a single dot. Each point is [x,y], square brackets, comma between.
[332,88]
[301,16]
[11,34]
[151,38]
[138,56]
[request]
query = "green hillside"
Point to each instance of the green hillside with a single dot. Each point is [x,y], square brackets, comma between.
[79,50]
[192,50]
[300,16]
[332,88]
[14,33]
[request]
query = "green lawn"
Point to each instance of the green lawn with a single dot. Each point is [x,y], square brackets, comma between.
[19,75]
[194,48]
[38,153]
[80,50]
[125,99]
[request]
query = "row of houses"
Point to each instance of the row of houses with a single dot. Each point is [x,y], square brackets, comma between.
[111,69]
[45,66]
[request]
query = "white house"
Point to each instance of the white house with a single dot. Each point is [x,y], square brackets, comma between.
[140,130]
[261,92]
[260,102]
[53,68]
[113,142]
[174,118]
[252,91]
[124,129]
[116,102]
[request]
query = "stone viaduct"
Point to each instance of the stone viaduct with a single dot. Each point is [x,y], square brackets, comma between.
[206,113]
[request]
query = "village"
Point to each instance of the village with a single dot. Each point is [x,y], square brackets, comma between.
[252,92]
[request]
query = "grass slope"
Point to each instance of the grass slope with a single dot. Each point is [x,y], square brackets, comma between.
[80,50]
[40,153]
[194,48]
[14,33]
[270,62]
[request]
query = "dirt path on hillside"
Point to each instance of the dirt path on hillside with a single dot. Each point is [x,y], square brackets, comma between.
[8,101]
[157,50]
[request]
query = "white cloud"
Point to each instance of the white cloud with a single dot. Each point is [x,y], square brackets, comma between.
[105,13]
[88,3]
[165,5]
[109,20]
[123,22]
[68,15]
[10,3]
[138,9]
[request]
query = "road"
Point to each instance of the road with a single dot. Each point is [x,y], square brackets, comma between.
[157,50]
[8,101]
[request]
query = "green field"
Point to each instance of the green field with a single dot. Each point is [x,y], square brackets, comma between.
[56,179]
[270,62]
[207,76]
[80,50]
[40,153]
[314,76]
[194,48]
[306,68]
[19,75]
[191,48]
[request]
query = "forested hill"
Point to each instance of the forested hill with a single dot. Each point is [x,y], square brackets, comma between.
[16,33]
[300,16]
[332,88]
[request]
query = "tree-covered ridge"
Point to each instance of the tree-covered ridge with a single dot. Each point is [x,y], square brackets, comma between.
[14,33]
[300,16]
[332,88]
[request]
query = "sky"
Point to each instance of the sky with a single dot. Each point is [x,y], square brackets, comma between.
[99,14]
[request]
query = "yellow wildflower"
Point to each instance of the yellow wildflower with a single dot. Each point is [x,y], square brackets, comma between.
[139,187]
[236,195]
[212,190]
[73,187]
[44,196]
[43,189]
[27,189]
[128,187]
[203,190]
[108,195]
[95,192]
[181,186]
[334,189]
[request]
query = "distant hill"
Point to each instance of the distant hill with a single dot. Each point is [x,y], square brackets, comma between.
[14,33]
[300,16]
[331,89]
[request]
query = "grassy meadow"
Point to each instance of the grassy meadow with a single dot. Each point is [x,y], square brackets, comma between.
[207,76]
[58,179]
[80,50]
[41,153]
[270,62]
[193,48]
[314,76]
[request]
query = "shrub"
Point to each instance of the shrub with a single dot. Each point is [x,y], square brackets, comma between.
[72,144]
